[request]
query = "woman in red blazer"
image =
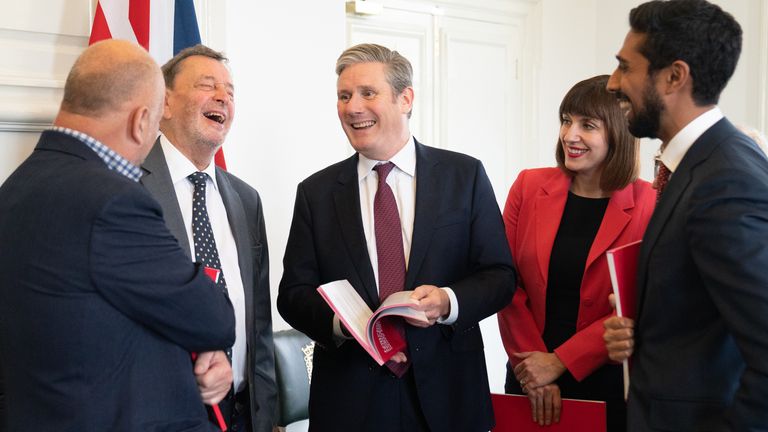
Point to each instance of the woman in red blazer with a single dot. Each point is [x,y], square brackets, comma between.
[559,223]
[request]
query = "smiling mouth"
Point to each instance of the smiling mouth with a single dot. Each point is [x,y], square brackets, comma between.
[575,152]
[216,117]
[363,125]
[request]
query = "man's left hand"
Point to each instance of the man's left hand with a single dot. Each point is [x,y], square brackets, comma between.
[433,301]
[214,376]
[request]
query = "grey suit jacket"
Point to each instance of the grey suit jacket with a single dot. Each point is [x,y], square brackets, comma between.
[246,219]
[701,336]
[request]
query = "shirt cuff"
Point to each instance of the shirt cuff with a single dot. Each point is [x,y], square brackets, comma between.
[453,315]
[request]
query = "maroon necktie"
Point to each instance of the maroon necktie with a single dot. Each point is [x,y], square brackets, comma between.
[389,248]
[662,177]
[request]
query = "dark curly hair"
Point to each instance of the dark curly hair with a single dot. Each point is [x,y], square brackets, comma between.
[697,32]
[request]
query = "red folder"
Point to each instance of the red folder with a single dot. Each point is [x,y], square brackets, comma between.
[214,275]
[622,265]
[513,414]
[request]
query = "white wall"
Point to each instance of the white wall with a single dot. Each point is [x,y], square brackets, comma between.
[580,38]
[285,126]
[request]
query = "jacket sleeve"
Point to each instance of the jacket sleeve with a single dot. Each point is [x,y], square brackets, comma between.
[298,300]
[518,329]
[139,268]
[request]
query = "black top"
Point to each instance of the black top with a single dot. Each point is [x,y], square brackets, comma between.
[578,228]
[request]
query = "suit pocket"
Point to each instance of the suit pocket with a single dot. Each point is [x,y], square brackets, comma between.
[468,339]
[687,415]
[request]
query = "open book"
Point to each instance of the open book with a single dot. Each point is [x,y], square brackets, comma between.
[374,331]
[622,265]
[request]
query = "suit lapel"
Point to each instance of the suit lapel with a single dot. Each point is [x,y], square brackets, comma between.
[550,202]
[346,198]
[678,183]
[615,219]
[428,189]
[157,180]
[239,226]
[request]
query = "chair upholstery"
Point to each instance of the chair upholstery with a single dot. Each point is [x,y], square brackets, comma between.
[293,369]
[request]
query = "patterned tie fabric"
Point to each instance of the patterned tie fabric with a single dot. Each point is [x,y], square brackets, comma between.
[202,233]
[389,248]
[662,177]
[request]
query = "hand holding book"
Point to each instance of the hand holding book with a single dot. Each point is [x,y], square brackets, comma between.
[622,266]
[372,330]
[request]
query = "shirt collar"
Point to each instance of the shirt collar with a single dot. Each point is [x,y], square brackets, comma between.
[111,158]
[683,140]
[180,167]
[404,160]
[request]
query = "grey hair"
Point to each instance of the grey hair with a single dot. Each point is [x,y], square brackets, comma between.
[398,69]
[172,67]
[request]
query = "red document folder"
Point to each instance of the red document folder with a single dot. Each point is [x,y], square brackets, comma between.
[622,265]
[214,275]
[513,414]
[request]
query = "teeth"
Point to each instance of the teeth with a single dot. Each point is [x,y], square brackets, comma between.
[364,124]
[219,118]
[576,151]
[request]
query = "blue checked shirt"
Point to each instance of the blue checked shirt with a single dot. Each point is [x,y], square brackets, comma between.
[114,161]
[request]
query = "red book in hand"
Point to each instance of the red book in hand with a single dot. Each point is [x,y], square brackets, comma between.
[214,275]
[374,330]
[622,265]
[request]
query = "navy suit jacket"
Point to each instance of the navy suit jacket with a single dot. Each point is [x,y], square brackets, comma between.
[246,219]
[701,355]
[100,307]
[458,241]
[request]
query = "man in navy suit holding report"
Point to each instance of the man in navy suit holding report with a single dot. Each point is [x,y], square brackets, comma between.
[701,335]
[396,215]
[99,306]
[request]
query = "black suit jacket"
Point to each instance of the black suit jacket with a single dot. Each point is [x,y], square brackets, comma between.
[246,219]
[458,241]
[100,307]
[701,356]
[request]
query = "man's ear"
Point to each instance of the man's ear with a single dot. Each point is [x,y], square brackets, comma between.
[166,105]
[406,100]
[138,123]
[677,76]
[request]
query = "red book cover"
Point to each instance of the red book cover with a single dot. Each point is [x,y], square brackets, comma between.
[513,414]
[622,264]
[387,340]
[214,275]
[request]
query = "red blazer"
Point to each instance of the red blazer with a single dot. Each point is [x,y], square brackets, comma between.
[532,217]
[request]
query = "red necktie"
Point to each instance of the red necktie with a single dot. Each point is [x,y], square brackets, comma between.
[389,248]
[662,177]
